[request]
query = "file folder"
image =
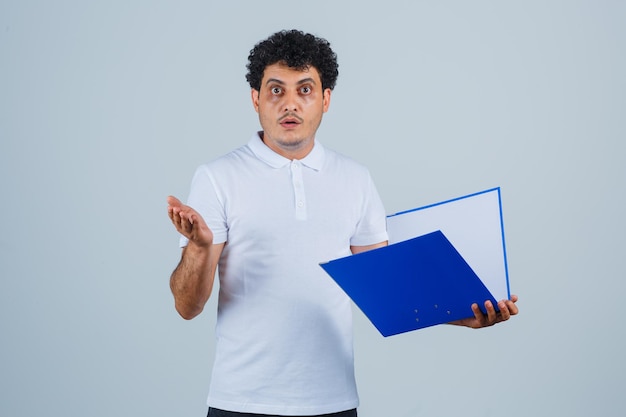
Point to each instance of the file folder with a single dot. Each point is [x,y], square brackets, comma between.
[421,278]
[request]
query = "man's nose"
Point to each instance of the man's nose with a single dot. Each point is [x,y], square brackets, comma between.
[291,102]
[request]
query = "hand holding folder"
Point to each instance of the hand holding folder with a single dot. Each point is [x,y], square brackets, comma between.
[424,278]
[506,309]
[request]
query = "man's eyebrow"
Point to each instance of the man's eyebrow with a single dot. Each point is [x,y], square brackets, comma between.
[308,80]
[274,80]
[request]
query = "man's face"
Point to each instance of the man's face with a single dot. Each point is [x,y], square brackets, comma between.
[290,105]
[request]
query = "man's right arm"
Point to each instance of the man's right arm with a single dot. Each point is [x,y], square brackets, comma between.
[192,280]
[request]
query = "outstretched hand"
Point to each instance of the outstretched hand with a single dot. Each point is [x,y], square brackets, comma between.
[507,309]
[189,222]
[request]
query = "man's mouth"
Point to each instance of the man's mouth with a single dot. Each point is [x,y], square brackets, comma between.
[290,121]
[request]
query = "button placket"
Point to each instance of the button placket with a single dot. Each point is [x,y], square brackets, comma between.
[298,190]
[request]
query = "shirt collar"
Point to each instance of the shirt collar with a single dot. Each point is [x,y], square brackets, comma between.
[314,160]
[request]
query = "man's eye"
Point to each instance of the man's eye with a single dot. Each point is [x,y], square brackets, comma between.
[305,90]
[276,90]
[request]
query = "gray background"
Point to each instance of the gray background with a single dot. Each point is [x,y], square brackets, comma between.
[108,107]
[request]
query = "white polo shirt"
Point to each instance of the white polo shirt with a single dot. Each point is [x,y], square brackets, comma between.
[284,328]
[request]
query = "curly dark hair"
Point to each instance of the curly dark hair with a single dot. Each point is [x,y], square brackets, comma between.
[297,50]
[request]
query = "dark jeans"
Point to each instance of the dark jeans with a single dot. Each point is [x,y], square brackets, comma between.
[215,412]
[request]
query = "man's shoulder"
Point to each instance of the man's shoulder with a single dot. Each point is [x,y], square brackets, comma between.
[232,157]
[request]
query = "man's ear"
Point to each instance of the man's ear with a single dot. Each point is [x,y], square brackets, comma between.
[255,99]
[326,99]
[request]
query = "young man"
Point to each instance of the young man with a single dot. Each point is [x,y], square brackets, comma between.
[268,213]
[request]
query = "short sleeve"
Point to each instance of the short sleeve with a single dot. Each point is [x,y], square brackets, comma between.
[372,227]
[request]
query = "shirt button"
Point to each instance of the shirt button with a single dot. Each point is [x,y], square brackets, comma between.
[300,204]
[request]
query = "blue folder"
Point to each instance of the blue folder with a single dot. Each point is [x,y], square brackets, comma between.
[410,285]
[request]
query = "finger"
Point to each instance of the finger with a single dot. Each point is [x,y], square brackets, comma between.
[173,201]
[505,314]
[177,214]
[174,212]
[174,215]
[513,309]
[478,315]
[179,219]
[491,312]
[185,222]
[476,310]
[173,207]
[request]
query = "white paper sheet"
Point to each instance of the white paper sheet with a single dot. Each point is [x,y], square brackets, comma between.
[474,226]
